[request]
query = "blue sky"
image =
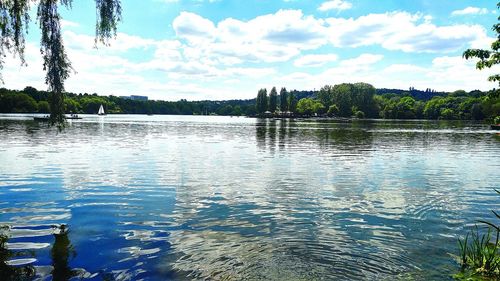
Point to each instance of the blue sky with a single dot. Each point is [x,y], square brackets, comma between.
[228,49]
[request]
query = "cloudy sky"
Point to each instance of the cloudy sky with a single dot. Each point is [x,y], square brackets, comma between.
[228,49]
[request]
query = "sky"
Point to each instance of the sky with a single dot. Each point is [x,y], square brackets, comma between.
[229,49]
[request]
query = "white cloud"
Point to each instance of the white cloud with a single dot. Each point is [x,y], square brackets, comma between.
[470,11]
[404,68]
[339,5]
[269,38]
[67,23]
[194,28]
[209,59]
[362,60]
[402,31]
[453,72]
[315,60]
[445,73]
[122,43]
[285,34]
[197,1]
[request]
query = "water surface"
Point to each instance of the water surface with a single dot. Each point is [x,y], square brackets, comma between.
[204,197]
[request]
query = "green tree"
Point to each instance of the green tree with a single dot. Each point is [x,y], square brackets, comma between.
[17,102]
[283,100]
[333,110]
[250,110]
[225,110]
[325,95]
[34,93]
[43,107]
[309,107]
[304,106]
[448,114]
[91,104]
[443,108]
[458,93]
[363,98]
[418,109]
[258,102]
[273,99]
[14,22]
[71,105]
[488,58]
[237,111]
[400,108]
[261,102]
[359,114]
[292,102]
[318,107]
[477,111]
[342,97]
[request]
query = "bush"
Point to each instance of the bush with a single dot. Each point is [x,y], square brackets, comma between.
[359,114]
[333,110]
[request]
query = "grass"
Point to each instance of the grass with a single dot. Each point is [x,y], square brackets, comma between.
[480,253]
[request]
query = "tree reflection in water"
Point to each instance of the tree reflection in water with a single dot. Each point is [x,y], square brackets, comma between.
[7,271]
[61,253]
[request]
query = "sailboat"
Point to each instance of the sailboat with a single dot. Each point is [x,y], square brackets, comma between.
[101,111]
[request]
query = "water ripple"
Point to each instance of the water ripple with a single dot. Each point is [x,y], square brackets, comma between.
[174,198]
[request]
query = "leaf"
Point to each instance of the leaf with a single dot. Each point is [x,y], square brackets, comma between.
[490,224]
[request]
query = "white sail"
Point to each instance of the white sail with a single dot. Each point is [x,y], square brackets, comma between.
[101,111]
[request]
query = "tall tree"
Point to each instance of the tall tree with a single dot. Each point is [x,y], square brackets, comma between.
[264,100]
[273,99]
[350,98]
[325,95]
[488,58]
[261,102]
[283,100]
[292,102]
[14,21]
[342,97]
[257,102]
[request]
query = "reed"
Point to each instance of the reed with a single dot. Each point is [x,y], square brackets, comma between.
[480,253]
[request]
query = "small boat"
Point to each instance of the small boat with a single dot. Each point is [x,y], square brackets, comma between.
[73,117]
[41,119]
[47,118]
[495,127]
[101,111]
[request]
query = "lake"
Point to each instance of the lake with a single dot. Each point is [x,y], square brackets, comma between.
[220,198]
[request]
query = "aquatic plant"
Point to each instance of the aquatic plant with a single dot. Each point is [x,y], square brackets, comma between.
[7,271]
[480,253]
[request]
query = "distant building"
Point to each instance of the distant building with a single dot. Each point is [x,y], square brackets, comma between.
[134,97]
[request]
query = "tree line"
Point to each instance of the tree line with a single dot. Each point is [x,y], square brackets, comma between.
[30,100]
[360,100]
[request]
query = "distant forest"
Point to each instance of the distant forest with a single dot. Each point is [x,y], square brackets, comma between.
[343,100]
